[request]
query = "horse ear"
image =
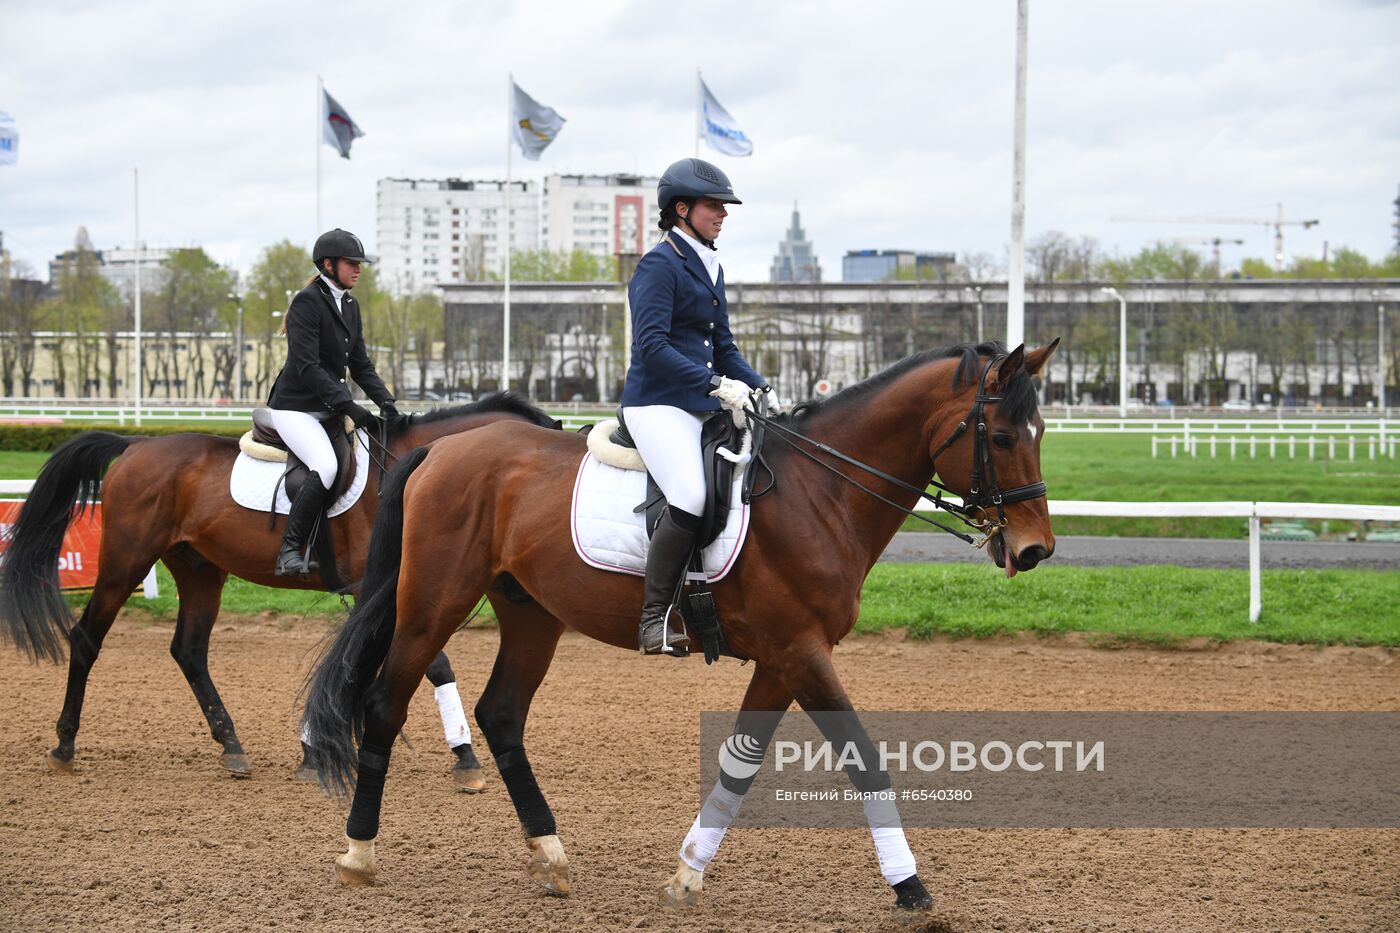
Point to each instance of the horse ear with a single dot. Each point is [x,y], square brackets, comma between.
[1011,365]
[1036,359]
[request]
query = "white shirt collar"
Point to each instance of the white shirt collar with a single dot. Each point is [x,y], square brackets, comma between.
[707,256]
[336,291]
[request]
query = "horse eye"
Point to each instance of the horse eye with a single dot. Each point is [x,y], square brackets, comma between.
[1003,441]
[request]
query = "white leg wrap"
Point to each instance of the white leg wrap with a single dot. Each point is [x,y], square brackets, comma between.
[891,848]
[454,718]
[306,733]
[711,823]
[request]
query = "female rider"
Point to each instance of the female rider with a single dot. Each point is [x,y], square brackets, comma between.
[684,368]
[324,339]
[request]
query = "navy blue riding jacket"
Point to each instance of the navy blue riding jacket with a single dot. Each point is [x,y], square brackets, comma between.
[680,332]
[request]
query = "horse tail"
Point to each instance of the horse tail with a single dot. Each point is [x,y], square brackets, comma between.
[333,722]
[33,614]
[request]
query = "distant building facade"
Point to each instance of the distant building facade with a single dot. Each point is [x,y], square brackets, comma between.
[118,266]
[604,215]
[888,265]
[432,232]
[795,261]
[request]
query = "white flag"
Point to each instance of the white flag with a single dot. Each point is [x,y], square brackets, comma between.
[337,129]
[719,129]
[533,124]
[9,140]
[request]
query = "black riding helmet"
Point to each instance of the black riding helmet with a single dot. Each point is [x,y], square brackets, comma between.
[337,244]
[694,178]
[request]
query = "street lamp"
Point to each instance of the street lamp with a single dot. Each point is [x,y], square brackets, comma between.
[978,290]
[1380,353]
[238,386]
[1122,349]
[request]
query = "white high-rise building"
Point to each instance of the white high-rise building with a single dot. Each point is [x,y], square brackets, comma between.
[599,214]
[432,231]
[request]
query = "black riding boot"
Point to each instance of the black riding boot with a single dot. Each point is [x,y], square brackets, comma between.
[666,560]
[293,560]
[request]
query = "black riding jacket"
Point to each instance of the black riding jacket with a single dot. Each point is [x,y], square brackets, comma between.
[324,347]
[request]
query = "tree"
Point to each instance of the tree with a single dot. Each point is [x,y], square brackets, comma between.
[81,309]
[21,297]
[561,266]
[281,271]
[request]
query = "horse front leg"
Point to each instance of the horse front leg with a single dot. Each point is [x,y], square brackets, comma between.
[814,683]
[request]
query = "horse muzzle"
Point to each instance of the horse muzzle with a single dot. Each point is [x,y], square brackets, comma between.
[1015,562]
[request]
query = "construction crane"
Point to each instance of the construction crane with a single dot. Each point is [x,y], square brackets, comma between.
[1278,223]
[1214,246]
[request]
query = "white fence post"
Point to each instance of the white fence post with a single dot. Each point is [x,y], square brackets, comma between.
[1255,590]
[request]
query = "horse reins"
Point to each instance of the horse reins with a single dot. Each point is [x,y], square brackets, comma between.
[971,512]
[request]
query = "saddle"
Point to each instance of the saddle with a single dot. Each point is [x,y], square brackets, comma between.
[264,443]
[722,446]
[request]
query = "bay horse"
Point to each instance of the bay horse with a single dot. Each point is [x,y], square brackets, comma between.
[487,513]
[167,499]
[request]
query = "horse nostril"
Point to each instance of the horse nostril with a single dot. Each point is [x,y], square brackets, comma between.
[1031,556]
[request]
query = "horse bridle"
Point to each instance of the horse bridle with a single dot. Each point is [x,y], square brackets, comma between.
[972,511]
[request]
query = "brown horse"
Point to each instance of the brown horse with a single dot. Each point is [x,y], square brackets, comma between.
[167,499]
[488,513]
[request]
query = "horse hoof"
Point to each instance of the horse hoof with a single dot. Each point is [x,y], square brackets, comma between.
[549,866]
[236,764]
[356,868]
[306,774]
[684,890]
[910,894]
[469,780]
[57,765]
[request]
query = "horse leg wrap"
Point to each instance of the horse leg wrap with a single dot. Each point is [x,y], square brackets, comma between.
[535,816]
[363,823]
[454,718]
[891,848]
[711,823]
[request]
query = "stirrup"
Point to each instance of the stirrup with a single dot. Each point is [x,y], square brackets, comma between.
[677,645]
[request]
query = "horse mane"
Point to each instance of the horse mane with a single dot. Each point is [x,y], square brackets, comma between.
[1019,400]
[506,402]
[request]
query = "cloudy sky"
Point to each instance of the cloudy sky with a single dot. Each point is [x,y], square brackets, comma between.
[888,122]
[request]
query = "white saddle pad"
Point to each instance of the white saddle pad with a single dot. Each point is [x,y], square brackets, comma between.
[610,536]
[252,481]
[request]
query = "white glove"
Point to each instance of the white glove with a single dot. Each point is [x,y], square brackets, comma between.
[768,400]
[734,397]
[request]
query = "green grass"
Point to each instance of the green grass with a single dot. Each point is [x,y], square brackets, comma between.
[1149,605]
[1154,605]
[21,464]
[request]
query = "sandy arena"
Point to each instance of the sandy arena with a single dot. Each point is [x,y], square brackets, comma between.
[150,834]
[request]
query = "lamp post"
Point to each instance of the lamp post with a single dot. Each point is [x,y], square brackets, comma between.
[238,344]
[978,290]
[1380,354]
[1122,349]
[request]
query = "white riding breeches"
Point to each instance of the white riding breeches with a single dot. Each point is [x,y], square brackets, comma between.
[668,439]
[305,435]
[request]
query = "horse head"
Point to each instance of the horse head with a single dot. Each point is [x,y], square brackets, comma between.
[997,470]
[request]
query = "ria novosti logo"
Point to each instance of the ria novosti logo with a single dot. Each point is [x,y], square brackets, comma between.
[741,756]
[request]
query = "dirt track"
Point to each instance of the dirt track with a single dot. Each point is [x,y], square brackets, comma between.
[149,834]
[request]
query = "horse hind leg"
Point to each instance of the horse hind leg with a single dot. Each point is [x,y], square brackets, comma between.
[466,771]
[200,585]
[529,635]
[115,581]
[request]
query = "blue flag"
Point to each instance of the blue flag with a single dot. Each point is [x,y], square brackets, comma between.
[9,140]
[719,130]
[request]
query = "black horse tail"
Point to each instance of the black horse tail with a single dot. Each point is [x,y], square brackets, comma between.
[334,719]
[33,614]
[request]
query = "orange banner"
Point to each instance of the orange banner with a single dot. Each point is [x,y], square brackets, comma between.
[77,561]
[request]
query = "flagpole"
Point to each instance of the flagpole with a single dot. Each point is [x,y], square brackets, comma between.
[320,117]
[699,98]
[136,236]
[505,327]
[1016,271]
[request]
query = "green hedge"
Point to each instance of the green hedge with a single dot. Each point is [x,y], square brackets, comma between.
[47,437]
